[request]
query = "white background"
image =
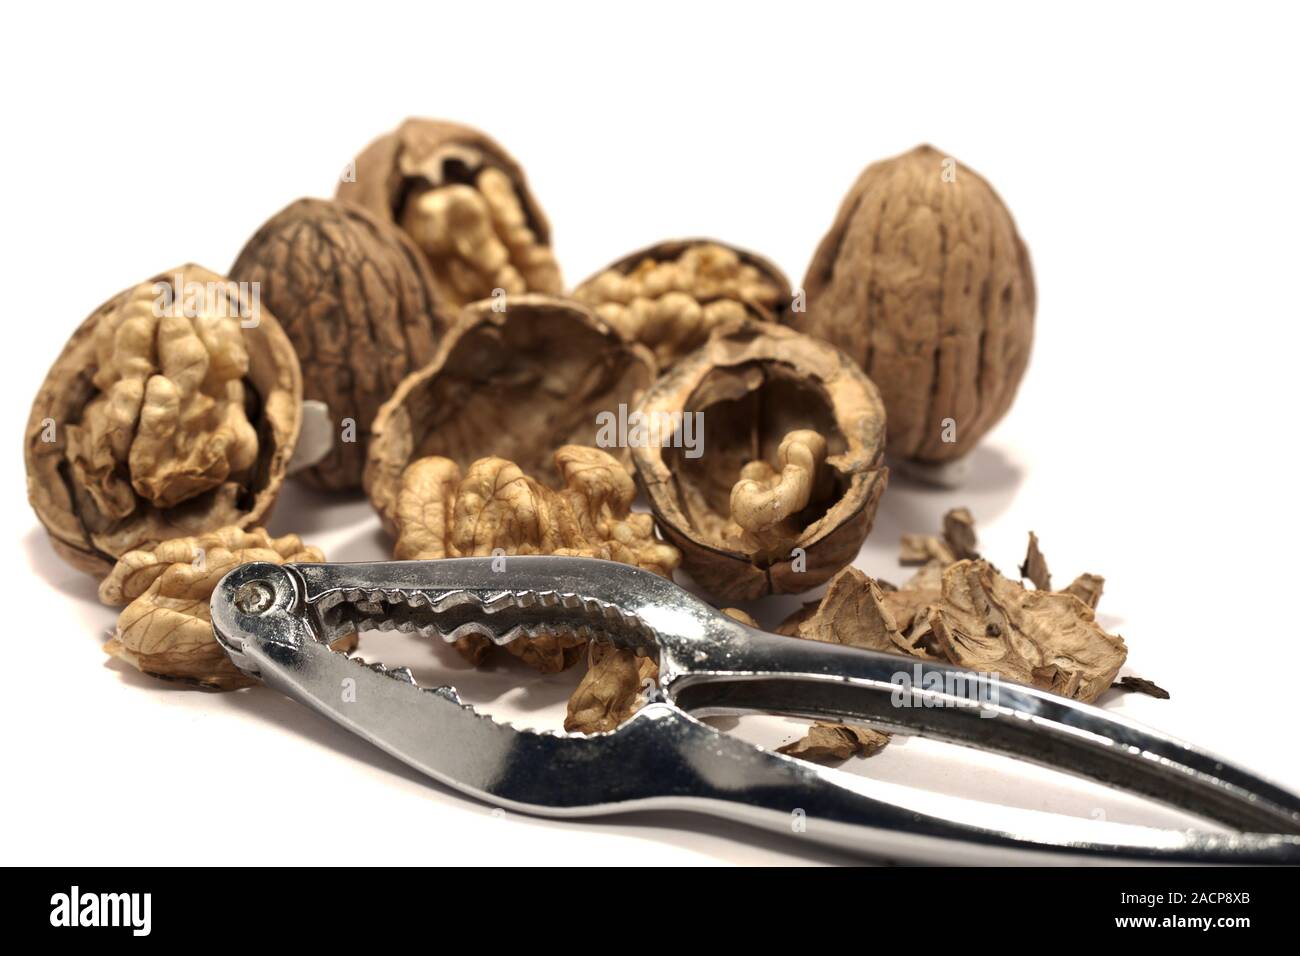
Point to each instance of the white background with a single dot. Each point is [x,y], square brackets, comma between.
[1149,157]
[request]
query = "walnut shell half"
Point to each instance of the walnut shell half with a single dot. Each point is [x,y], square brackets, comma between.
[172,411]
[465,202]
[784,488]
[925,282]
[357,301]
[671,295]
[514,380]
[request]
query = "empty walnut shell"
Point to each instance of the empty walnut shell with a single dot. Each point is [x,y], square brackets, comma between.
[357,301]
[465,202]
[925,282]
[670,296]
[517,384]
[176,419]
[784,488]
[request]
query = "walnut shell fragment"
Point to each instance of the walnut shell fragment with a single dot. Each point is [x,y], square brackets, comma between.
[963,611]
[957,542]
[465,203]
[1140,685]
[925,282]
[833,743]
[495,509]
[358,302]
[777,488]
[173,410]
[165,629]
[970,615]
[515,384]
[672,295]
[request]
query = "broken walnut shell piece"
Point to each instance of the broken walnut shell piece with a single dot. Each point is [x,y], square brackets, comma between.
[834,743]
[672,295]
[957,543]
[165,628]
[824,743]
[515,384]
[496,509]
[466,204]
[759,388]
[173,410]
[356,299]
[970,615]
[925,282]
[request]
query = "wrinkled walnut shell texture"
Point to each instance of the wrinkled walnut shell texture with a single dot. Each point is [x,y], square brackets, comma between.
[358,303]
[672,295]
[400,169]
[516,384]
[273,405]
[757,384]
[928,286]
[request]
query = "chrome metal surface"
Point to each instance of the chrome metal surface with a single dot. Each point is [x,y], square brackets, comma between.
[276,623]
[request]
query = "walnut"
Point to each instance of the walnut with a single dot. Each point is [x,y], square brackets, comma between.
[672,295]
[466,204]
[832,743]
[781,485]
[824,743]
[1087,588]
[494,508]
[617,683]
[956,544]
[1140,685]
[966,613]
[925,282]
[165,628]
[612,690]
[1034,567]
[172,410]
[441,514]
[357,301]
[515,384]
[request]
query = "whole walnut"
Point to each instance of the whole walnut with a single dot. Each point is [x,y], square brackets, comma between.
[672,295]
[465,202]
[925,282]
[358,302]
[515,378]
[172,411]
[762,458]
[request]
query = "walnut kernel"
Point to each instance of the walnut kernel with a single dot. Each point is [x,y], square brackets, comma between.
[671,296]
[165,628]
[783,491]
[172,410]
[466,204]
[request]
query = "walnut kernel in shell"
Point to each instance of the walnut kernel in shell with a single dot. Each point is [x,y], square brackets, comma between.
[925,282]
[515,384]
[357,301]
[171,411]
[466,204]
[672,295]
[784,489]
